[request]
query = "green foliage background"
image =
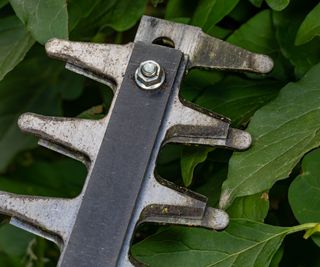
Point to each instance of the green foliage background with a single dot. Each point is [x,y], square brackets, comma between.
[271,191]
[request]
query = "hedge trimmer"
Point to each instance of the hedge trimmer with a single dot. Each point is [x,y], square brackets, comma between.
[122,189]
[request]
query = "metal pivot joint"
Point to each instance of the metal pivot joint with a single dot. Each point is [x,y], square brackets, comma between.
[96,228]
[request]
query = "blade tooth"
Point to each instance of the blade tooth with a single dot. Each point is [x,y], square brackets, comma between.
[54,216]
[79,135]
[65,151]
[214,219]
[98,61]
[193,125]
[238,139]
[213,53]
[161,192]
[203,50]
[170,204]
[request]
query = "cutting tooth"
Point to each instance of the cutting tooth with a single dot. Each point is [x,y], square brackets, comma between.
[66,151]
[167,203]
[75,135]
[103,62]
[212,53]
[204,51]
[192,125]
[238,140]
[213,219]
[49,217]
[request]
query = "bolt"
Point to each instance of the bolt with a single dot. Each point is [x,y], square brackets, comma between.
[149,75]
[149,69]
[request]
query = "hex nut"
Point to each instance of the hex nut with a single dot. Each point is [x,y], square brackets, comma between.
[149,75]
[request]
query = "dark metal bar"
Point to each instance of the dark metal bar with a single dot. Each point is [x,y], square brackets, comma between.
[116,179]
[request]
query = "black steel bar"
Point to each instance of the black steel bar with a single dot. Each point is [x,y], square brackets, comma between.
[114,185]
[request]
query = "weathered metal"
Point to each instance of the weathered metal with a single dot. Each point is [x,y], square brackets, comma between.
[122,189]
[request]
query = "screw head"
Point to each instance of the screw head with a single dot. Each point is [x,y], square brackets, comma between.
[149,75]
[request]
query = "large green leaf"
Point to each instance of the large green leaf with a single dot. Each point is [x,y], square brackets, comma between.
[283,131]
[13,241]
[243,243]
[310,28]
[286,24]
[234,97]
[238,98]
[15,42]
[45,19]
[78,10]
[254,207]
[180,9]
[85,18]
[278,5]
[257,35]
[304,195]
[61,178]
[212,177]
[242,12]
[117,15]
[3,3]
[34,86]
[210,12]
[124,14]
[196,82]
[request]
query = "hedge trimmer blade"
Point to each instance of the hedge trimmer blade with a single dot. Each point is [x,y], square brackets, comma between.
[122,189]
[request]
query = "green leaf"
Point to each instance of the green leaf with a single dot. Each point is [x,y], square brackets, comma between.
[212,178]
[242,12]
[60,178]
[219,32]
[238,98]
[257,35]
[310,28]
[3,3]
[283,131]
[14,241]
[243,243]
[15,42]
[190,158]
[304,195]
[180,9]
[124,14]
[278,5]
[256,3]
[254,207]
[118,15]
[31,87]
[209,12]
[86,18]
[44,19]
[80,9]
[71,85]
[286,24]
[277,257]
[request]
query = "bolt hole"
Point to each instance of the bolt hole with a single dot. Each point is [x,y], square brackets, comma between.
[164,41]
